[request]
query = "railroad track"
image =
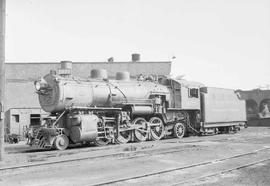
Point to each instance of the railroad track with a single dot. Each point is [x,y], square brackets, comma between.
[73,150]
[120,155]
[118,181]
[221,172]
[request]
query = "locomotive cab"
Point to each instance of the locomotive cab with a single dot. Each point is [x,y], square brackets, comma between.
[183,112]
[184,94]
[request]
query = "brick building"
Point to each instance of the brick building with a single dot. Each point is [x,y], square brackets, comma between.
[257,103]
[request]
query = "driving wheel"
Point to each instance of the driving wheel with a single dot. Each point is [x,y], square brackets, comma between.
[157,129]
[141,132]
[123,137]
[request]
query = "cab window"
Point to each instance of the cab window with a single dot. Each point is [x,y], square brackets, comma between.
[193,93]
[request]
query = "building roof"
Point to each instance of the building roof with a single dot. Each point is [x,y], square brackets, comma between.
[20,72]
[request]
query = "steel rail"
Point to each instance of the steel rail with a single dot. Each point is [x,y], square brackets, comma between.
[221,172]
[179,168]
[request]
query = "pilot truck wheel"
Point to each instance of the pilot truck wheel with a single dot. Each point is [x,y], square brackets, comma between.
[61,142]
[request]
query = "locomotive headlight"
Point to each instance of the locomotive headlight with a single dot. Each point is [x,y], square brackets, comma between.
[41,85]
[37,85]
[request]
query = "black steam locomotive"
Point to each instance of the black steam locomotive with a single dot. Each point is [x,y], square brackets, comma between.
[101,110]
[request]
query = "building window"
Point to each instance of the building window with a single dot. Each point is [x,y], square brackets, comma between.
[34,119]
[193,93]
[16,118]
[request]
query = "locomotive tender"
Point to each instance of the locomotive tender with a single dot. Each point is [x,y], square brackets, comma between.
[101,110]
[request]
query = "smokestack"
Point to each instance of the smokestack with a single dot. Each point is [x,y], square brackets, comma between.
[135,57]
[65,69]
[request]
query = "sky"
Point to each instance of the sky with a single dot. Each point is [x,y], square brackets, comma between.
[221,43]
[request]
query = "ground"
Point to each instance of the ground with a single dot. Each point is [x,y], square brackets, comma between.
[225,159]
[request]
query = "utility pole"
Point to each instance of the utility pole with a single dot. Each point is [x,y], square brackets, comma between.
[2,74]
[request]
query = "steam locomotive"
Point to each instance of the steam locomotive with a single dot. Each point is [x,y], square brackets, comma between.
[100,110]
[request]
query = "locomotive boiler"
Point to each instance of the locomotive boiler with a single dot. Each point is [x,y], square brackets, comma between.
[56,93]
[101,110]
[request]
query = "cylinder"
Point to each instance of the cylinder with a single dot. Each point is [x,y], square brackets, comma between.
[135,57]
[123,76]
[99,74]
[87,131]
